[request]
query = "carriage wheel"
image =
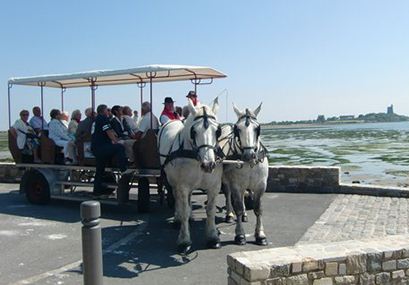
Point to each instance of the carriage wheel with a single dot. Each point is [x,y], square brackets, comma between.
[143,195]
[36,187]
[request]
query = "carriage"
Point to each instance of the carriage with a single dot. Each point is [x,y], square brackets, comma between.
[51,179]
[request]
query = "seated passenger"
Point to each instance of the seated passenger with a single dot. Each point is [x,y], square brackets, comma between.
[27,139]
[135,117]
[128,121]
[105,146]
[178,110]
[123,132]
[84,127]
[75,120]
[168,112]
[37,122]
[58,132]
[64,118]
[145,121]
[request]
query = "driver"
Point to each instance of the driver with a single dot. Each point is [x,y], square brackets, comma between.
[105,146]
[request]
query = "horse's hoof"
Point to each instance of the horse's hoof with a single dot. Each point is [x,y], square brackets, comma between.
[229,219]
[244,219]
[261,241]
[184,248]
[240,239]
[214,244]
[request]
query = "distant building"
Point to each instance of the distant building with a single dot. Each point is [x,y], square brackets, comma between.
[346,117]
[320,119]
[389,110]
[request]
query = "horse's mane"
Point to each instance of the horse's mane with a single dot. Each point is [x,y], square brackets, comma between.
[249,112]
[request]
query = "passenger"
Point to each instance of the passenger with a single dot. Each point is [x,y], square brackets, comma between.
[84,127]
[110,116]
[27,140]
[168,112]
[37,122]
[178,110]
[65,118]
[75,120]
[58,132]
[123,132]
[185,112]
[128,121]
[135,117]
[193,97]
[145,121]
[105,146]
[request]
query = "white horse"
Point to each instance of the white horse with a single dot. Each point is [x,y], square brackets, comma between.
[244,143]
[188,159]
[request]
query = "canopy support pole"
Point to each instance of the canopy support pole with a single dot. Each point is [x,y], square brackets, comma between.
[151,75]
[93,88]
[63,89]
[150,97]
[10,85]
[42,84]
[141,85]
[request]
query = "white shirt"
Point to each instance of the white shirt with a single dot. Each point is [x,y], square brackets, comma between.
[145,122]
[131,123]
[22,129]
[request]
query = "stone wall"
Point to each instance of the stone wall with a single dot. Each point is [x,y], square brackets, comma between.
[290,179]
[380,261]
[303,179]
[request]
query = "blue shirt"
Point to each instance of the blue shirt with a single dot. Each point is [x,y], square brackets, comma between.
[38,123]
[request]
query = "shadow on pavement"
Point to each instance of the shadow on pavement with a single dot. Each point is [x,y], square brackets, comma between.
[14,203]
[154,247]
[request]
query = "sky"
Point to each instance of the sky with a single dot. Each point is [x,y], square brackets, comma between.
[300,58]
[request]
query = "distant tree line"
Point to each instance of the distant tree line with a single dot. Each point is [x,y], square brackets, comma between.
[368,118]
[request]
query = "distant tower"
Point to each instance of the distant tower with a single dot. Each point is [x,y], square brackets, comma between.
[389,110]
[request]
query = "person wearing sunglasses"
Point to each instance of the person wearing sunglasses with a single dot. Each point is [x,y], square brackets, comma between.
[27,139]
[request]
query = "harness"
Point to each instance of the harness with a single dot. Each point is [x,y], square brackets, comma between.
[235,149]
[193,153]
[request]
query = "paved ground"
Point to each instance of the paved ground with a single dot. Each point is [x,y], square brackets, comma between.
[41,244]
[356,217]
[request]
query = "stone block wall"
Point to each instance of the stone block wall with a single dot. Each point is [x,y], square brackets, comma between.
[303,179]
[381,261]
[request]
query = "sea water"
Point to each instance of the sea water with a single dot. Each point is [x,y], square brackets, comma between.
[372,153]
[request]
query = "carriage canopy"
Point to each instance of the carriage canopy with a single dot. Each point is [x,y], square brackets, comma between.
[142,74]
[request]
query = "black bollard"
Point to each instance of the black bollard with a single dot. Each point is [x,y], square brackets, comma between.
[91,243]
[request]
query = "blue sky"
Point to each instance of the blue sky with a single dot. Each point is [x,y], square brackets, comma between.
[300,58]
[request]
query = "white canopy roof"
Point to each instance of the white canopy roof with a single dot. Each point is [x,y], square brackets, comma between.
[158,73]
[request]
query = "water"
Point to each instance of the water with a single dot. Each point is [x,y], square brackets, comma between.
[375,153]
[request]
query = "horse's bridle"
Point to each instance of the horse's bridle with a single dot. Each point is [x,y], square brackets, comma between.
[249,119]
[206,123]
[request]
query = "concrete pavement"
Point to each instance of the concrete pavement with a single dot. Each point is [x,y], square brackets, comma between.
[42,244]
